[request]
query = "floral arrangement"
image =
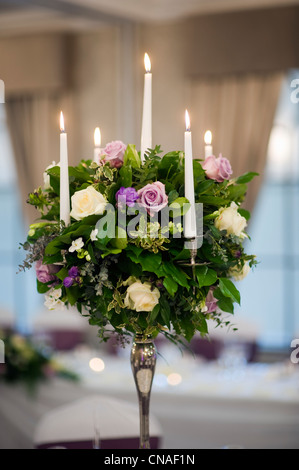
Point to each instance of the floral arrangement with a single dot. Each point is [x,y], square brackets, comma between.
[28,362]
[120,264]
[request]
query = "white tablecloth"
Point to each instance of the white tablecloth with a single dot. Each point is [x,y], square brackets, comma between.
[255,406]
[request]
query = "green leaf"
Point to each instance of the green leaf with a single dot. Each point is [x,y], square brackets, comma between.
[228,289]
[224,303]
[198,171]
[246,177]
[51,259]
[244,213]
[149,261]
[205,276]
[236,192]
[179,206]
[172,196]
[170,285]
[79,175]
[72,294]
[131,157]
[168,165]
[213,201]
[121,240]
[62,274]
[154,313]
[204,186]
[42,288]
[188,328]
[126,176]
[165,311]
[177,274]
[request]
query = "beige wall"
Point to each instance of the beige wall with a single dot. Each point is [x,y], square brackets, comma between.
[108,84]
[103,75]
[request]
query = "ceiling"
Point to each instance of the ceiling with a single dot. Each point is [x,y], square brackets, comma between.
[29,16]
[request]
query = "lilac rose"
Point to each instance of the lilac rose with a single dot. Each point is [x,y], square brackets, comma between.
[211,301]
[218,169]
[46,272]
[113,153]
[153,197]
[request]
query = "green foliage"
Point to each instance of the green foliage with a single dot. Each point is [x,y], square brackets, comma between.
[151,253]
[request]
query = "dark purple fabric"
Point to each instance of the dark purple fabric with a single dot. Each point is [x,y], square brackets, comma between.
[128,443]
[64,340]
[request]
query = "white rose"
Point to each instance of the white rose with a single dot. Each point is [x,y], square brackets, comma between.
[87,202]
[239,274]
[230,220]
[141,297]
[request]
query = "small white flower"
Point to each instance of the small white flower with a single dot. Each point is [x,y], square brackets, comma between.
[52,299]
[56,293]
[76,245]
[93,235]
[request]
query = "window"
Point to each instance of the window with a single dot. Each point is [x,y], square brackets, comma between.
[18,301]
[270,294]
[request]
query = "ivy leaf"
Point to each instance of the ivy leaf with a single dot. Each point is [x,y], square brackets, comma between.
[228,289]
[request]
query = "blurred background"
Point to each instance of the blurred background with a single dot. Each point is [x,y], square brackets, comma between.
[233,63]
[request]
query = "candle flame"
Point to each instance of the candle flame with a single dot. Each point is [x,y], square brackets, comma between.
[208,137]
[187,120]
[97,137]
[61,122]
[147,63]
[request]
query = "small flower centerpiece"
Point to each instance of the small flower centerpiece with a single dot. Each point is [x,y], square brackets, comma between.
[29,363]
[122,261]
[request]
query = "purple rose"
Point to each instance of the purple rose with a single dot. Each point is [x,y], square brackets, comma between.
[73,272]
[68,281]
[211,301]
[113,153]
[127,195]
[153,197]
[218,169]
[46,272]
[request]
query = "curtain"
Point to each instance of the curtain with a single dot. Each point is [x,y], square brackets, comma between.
[33,123]
[239,110]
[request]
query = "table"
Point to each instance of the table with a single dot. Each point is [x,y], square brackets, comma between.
[209,405]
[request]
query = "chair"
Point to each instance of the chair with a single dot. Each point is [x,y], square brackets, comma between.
[74,426]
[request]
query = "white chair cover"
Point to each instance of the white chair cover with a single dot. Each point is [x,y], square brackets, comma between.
[74,425]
